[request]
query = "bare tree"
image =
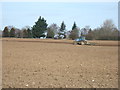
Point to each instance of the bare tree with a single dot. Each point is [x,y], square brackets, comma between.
[18,33]
[52,30]
[108,25]
[106,29]
[84,31]
[75,33]
[87,28]
[27,27]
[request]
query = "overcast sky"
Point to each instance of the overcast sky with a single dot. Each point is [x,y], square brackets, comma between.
[20,14]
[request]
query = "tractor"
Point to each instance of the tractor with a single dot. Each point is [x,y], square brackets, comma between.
[80,41]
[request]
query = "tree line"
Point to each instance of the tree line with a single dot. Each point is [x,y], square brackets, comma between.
[107,31]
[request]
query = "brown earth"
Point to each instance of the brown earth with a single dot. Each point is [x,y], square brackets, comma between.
[37,63]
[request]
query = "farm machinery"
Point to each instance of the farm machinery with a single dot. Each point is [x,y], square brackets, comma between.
[81,41]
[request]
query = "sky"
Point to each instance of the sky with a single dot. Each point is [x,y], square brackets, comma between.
[119,15]
[59,0]
[21,14]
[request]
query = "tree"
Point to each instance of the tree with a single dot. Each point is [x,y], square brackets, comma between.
[75,33]
[50,33]
[63,27]
[52,30]
[84,31]
[39,28]
[115,34]
[25,33]
[18,33]
[29,32]
[74,26]
[89,35]
[12,32]
[0,33]
[62,30]
[108,25]
[106,30]
[6,32]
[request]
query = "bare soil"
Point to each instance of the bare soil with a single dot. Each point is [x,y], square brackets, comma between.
[47,63]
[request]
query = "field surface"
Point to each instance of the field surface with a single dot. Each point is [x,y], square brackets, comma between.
[46,63]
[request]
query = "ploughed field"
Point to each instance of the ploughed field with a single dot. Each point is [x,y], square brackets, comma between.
[47,63]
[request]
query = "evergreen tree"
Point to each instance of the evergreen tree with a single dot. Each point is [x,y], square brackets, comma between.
[74,26]
[62,31]
[63,26]
[6,32]
[12,32]
[29,32]
[39,28]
